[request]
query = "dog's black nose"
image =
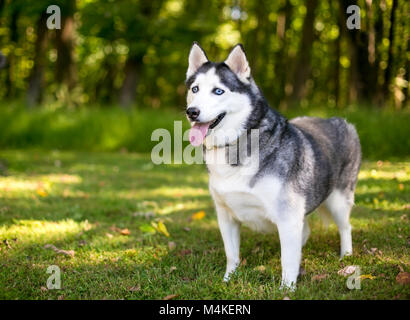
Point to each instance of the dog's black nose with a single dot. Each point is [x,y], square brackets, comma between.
[193,113]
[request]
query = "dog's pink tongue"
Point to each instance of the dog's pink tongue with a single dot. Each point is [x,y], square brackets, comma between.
[197,133]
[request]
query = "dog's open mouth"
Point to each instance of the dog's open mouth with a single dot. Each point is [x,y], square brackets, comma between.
[218,119]
[199,130]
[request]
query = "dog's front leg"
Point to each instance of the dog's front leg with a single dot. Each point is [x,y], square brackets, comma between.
[230,230]
[290,235]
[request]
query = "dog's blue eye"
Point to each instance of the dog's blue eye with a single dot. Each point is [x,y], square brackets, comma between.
[218,91]
[195,89]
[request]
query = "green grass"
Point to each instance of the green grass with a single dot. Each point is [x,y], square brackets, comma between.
[383,133]
[73,199]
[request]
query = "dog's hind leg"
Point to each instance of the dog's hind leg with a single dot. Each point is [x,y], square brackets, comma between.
[230,231]
[340,203]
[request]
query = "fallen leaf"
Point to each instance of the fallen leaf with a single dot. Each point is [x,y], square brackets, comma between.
[260,268]
[160,227]
[347,271]
[173,268]
[171,245]
[243,262]
[82,243]
[320,277]
[286,298]
[185,252]
[41,193]
[134,289]
[198,215]
[170,296]
[43,289]
[367,276]
[115,229]
[403,278]
[6,243]
[60,251]
[125,232]
[61,297]
[208,251]
[109,235]
[256,249]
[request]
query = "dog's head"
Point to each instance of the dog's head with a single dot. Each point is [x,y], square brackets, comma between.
[219,98]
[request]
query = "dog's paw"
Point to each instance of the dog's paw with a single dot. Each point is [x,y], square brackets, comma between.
[230,269]
[287,286]
[345,254]
[228,275]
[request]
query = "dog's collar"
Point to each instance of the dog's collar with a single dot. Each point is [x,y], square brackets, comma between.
[213,147]
[235,142]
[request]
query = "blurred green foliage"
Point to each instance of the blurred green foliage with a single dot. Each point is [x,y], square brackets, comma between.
[383,133]
[135,52]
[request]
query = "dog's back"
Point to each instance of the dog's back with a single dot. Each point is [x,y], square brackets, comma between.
[338,141]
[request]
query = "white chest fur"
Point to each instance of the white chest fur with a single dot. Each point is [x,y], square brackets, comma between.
[256,206]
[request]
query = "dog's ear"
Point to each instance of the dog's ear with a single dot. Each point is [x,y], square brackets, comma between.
[238,63]
[197,58]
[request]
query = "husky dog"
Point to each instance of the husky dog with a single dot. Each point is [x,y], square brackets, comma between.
[303,164]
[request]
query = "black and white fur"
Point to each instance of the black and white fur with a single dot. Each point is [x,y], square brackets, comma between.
[304,164]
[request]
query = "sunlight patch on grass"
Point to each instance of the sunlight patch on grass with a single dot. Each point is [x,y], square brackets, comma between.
[144,255]
[45,182]
[400,175]
[27,231]
[181,206]
[162,192]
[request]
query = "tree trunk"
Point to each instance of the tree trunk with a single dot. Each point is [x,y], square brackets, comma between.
[389,69]
[362,82]
[104,89]
[129,86]
[282,58]
[66,72]
[35,85]
[133,65]
[378,29]
[302,67]
[10,63]
[337,69]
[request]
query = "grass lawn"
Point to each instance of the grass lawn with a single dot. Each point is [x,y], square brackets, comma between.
[103,207]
